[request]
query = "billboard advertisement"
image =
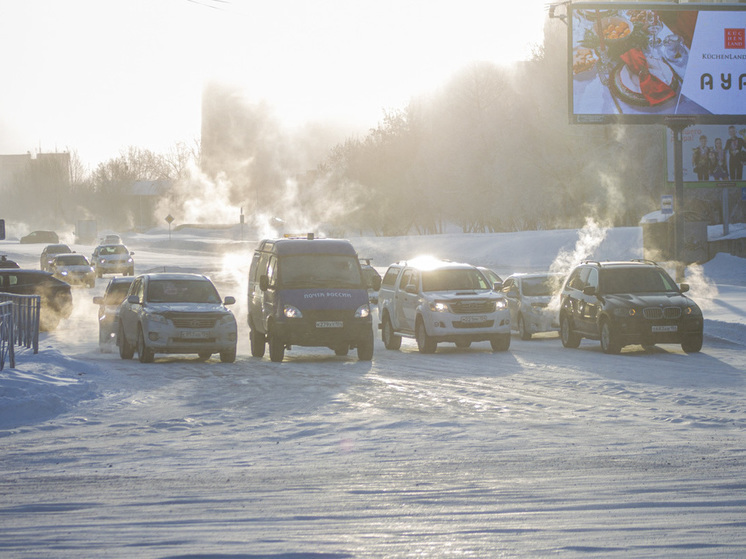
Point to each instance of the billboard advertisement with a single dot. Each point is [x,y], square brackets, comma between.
[644,63]
[713,155]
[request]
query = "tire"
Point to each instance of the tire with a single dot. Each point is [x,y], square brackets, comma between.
[276,348]
[258,342]
[126,351]
[522,331]
[424,342]
[144,354]
[99,274]
[365,348]
[463,344]
[609,342]
[692,343]
[567,334]
[204,355]
[228,355]
[342,350]
[500,342]
[390,340]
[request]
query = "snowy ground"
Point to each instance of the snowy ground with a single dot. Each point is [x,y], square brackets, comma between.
[535,452]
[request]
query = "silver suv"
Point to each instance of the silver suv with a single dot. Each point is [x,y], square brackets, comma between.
[437,301]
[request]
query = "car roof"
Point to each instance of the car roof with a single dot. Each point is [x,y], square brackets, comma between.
[623,264]
[309,246]
[57,245]
[426,264]
[111,245]
[174,276]
[522,275]
[25,272]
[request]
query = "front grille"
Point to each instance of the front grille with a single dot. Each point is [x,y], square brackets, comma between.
[657,313]
[193,320]
[473,307]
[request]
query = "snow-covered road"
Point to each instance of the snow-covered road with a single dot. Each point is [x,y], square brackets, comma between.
[538,451]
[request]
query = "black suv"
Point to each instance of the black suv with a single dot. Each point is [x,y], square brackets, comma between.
[56,297]
[623,303]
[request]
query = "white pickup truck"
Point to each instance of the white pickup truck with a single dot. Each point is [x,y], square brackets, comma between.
[437,301]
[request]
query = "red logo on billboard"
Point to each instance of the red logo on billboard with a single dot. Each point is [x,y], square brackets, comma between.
[735,38]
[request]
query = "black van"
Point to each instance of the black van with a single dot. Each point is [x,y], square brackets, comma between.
[308,292]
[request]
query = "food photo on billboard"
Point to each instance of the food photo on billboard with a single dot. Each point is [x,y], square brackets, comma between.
[643,63]
[713,154]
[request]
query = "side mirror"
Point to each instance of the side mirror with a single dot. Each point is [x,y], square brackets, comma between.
[263,282]
[497,286]
[684,287]
[590,290]
[133,300]
[410,288]
[98,300]
[229,300]
[132,253]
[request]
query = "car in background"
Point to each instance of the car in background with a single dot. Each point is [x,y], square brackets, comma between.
[624,303]
[372,279]
[108,306]
[56,296]
[48,254]
[6,262]
[530,300]
[436,301]
[74,269]
[176,313]
[40,237]
[111,239]
[113,259]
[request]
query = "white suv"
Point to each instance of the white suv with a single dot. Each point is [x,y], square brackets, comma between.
[437,301]
[176,313]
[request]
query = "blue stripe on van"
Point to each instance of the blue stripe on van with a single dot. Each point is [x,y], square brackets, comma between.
[321,299]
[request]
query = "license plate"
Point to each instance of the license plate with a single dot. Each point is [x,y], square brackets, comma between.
[473,319]
[673,328]
[193,335]
[329,324]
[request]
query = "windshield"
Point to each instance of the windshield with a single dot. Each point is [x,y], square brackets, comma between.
[182,291]
[454,280]
[320,270]
[106,251]
[73,260]
[117,292]
[541,286]
[636,280]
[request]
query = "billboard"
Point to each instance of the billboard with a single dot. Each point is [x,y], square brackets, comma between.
[644,63]
[714,155]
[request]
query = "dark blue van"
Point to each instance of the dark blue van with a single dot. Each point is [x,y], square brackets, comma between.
[308,292]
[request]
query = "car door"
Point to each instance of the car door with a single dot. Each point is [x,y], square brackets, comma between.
[591,302]
[400,300]
[129,312]
[411,299]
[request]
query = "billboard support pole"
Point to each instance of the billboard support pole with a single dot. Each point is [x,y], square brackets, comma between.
[677,126]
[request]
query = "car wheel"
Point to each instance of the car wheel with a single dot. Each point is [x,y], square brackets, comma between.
[99,274]
[524,332]
[258,342]
[204,355]
[228,355]
[342,350]
[500,342]
[463,344]
[365,348]
[390,340]
[424,342]
[692,343]
[609,342]
[567,335]
[144,353]
[276,348]
[126,351]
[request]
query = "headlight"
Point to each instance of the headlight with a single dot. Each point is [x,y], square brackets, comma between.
[622,312]
[102,261]
[439,306]
[501,304]
[129,261]
[63,272]
[155,317]
[291,312]
[362,311]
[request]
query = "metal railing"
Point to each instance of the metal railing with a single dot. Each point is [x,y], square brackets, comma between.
[19,325]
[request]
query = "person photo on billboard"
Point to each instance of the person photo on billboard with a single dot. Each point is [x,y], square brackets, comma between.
[736,149]
[718,161]
[701,159]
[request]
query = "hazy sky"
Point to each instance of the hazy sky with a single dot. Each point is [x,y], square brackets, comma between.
[97,76]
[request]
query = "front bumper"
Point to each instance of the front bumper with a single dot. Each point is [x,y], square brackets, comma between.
[650,332]
[446,326]
[167,338]
[315,332]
